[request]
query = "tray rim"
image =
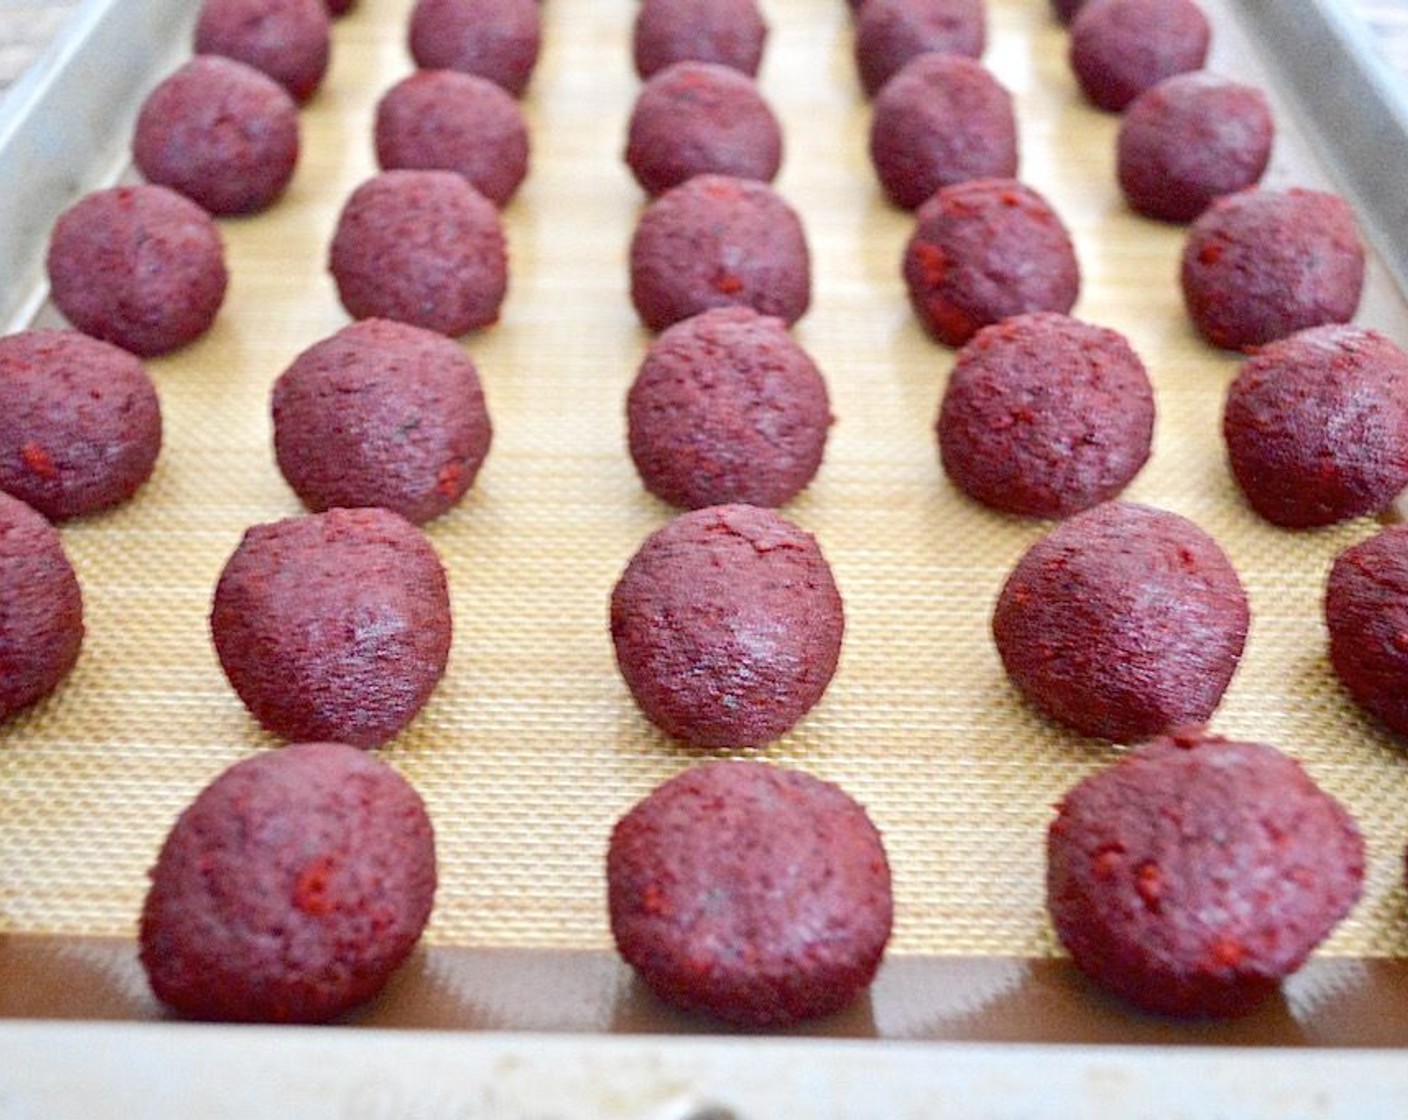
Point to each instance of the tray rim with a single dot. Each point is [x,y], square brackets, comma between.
[60,1070]
[1363,110]
[57,141]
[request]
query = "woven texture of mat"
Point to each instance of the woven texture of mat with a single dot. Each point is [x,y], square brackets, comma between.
[532,747]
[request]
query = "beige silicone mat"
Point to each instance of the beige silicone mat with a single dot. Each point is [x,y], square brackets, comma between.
[532,747]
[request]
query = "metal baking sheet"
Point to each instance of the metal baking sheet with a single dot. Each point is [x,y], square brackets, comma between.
[532,747]
[1355,104]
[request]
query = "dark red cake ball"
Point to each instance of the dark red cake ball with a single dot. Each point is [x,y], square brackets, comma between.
[222,133]
[333,625]
[1045,416]
[943,119]
[1190,139]
[1122,622]
[1065,10]
[727,407]
[41,608]
[697,117]
[288,40]
[1316,426]
[729,32]
[984,250]
[381,414]
[891,32]
[139,266]
[1193,875]
[421,247]
[1261,264]
[1120,48]
[757,895]
[496,39]
[290,889]
[1366,612]
[719,241]
[727,625]
[445,120]
[80,424]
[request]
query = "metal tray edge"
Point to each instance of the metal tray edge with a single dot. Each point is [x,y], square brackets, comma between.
[64,126]
[74,1070]
[1353,104]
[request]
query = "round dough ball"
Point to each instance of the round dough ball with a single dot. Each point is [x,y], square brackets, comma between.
[1045,416]
[41,608]
[496,39]
[943,119]
[758,895]
[985,250]
[697,117]
[1120,48]
[889,33]
[727,407]
[727,626]
[1188,140]
[221,133]
[444,120]
[729,32]
[80,423]
[719,241]
[1316,426]
[1122,622]
[139,266]
[289,40]
[1194,874]
[421,247]
[381,414]
[1366,613]
[333,625]
[1261,264]
[290,889]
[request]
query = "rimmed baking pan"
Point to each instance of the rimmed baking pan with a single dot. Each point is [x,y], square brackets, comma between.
[531,746]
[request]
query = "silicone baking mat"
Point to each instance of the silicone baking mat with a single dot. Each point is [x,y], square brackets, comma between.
[532,747]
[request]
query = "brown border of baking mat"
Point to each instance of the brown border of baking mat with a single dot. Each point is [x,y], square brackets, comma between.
[1331,1002]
